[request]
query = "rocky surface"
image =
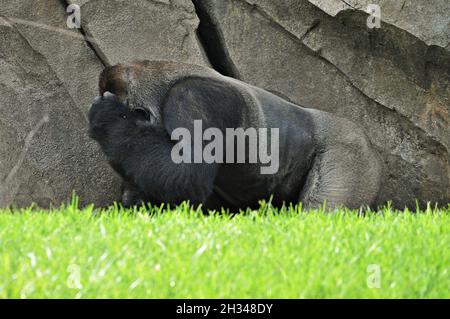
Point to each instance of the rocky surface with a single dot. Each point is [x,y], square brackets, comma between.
[427,20]
[393,81]
[122,30]
[47,69]
[45,151]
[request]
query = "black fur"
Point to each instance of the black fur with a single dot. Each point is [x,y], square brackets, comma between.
[140,152]
[322,157]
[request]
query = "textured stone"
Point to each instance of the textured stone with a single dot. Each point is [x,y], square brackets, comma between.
[43,162]
[428,20]
[122,30]
[43,23]
[387,80]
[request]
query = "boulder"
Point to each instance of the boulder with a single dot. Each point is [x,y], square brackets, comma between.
[43,24]
[122,30]
[429,21]
[48,70]
[45,151]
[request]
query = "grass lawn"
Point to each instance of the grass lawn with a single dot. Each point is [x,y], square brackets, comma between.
[180,253]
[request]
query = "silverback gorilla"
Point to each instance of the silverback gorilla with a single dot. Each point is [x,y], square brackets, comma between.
[322,158]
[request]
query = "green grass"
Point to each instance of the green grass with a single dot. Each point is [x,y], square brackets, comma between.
[180,253]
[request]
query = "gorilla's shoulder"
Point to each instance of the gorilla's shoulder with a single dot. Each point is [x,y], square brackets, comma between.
[215,101]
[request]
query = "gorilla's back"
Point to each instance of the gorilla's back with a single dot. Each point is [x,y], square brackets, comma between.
[320,155]
[295,146]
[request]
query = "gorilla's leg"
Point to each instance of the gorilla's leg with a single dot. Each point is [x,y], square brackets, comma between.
[342,176]
[141,153]
[131,195]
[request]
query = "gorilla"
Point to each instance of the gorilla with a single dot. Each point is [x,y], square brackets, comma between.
[321,157]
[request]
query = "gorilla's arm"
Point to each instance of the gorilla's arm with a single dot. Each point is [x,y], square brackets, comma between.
[141,153]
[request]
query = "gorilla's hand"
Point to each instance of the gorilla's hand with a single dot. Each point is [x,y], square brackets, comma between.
[141,154]
[105,110]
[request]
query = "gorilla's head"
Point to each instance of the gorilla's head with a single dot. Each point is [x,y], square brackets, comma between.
[118,80]
[113,80]
[143,85]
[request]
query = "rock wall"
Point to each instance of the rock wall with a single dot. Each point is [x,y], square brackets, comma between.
[393,80]
[47,69]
